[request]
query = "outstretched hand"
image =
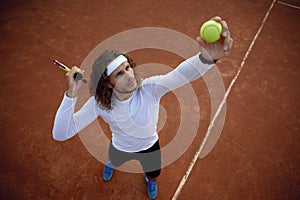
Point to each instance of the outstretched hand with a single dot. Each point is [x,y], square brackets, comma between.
[216,50]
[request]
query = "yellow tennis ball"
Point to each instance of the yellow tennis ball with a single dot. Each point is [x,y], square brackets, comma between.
[211,31]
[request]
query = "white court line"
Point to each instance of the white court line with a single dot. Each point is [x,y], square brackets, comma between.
[287,4]
[185,177]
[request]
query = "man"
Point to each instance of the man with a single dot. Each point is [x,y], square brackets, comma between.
[131,106]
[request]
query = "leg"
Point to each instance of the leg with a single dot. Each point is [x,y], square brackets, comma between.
[150,160]
[117,158]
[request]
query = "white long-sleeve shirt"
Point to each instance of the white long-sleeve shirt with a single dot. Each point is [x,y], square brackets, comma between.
[133,122]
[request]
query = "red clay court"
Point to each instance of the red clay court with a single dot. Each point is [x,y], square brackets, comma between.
[257,155]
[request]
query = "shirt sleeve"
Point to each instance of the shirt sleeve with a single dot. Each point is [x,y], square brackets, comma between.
[67,123]
[187,71]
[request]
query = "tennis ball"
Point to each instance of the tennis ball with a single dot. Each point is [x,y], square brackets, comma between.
[211,31]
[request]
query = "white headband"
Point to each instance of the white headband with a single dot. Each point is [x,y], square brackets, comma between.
[115,64]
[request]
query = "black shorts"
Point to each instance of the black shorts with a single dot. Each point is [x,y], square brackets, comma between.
[150,159]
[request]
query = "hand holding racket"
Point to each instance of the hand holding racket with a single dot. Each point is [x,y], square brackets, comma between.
[77,75]
[75,78]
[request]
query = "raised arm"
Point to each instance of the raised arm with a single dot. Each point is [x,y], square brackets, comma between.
[187,71]
[194,67]
[67,123]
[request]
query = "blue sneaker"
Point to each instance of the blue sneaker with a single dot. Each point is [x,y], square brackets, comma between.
[108,171]
[151,187]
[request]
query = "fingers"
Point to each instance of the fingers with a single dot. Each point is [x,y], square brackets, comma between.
[228,41]
[77,69]
[230,44]
[217,18]
[225,31]
[224,25]
[74,70]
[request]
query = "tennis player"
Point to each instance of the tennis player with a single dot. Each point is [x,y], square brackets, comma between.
[131,106]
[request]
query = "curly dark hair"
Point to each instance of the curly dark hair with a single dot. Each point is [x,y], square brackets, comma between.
[99,86]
